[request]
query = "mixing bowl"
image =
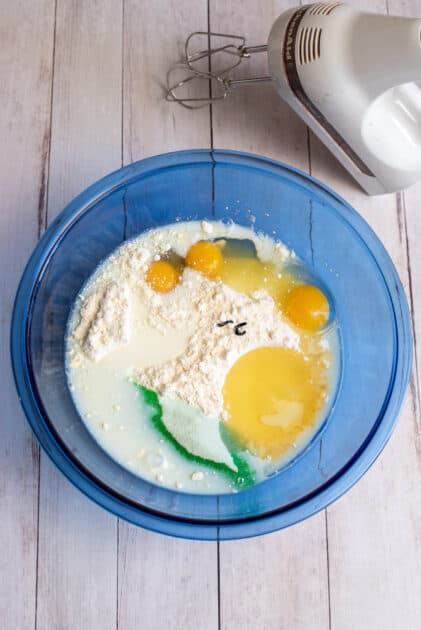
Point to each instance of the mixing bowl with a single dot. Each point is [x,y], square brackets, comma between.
[337,245]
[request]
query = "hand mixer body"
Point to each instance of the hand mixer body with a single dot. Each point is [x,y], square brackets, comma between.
[348,75]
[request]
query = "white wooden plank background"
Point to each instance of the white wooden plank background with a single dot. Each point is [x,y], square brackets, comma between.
[80,94]
[26,36]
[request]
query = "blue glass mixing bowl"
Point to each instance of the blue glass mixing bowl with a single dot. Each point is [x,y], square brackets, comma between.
[324,231]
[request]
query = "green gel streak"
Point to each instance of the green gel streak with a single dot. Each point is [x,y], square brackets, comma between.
[243,478]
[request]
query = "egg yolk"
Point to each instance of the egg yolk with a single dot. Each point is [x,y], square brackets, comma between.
[205,257]
[307,307]
[162,276]
[272,395]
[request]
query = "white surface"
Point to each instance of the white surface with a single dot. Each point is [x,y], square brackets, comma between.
[355,566]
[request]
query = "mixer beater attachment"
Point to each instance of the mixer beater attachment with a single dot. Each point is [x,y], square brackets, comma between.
[196,65]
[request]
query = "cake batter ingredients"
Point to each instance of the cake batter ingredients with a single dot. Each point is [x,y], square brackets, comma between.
[194,359]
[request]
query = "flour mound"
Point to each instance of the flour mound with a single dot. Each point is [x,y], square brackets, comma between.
[104,321]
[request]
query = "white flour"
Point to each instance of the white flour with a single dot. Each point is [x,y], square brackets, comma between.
[104,321]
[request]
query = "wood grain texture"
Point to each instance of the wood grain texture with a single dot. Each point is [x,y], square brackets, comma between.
[77,581]
[276,581]
[280,580]
[26,36]
[163,582]
[254,118]
[109,60]
[374,531]
[154,34]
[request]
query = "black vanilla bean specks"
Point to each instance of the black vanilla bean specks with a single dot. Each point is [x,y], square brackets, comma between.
[238,328]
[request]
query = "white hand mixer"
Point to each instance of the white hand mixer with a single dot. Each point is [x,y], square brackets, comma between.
[350,76]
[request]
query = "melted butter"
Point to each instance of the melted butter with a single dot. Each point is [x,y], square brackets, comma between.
[247,275]
[272,396]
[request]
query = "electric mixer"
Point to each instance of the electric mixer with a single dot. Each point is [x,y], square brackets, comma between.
[348,74]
